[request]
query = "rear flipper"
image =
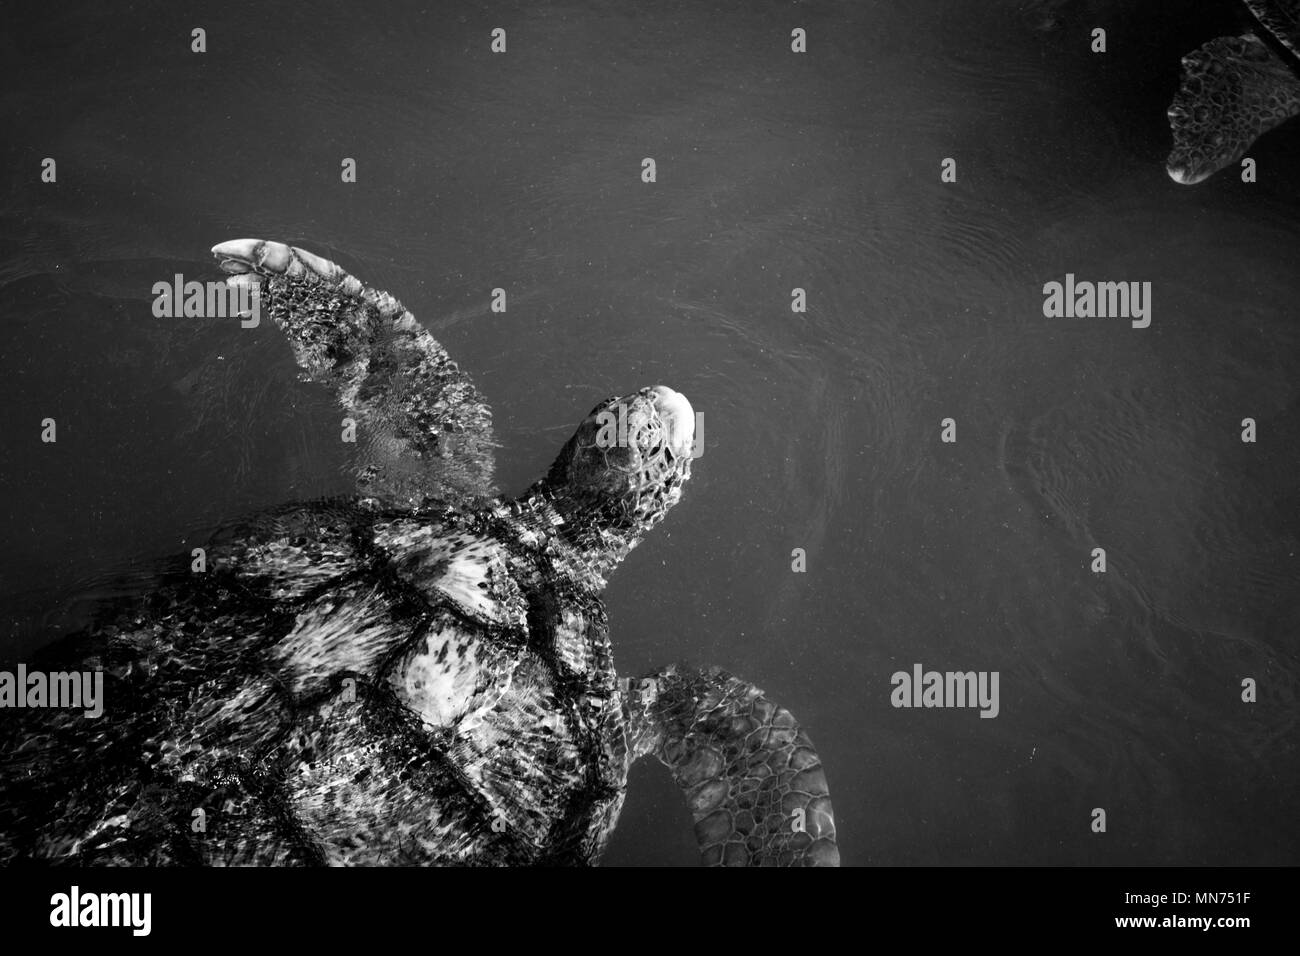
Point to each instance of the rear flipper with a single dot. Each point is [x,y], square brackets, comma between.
[751,777]
[426,428]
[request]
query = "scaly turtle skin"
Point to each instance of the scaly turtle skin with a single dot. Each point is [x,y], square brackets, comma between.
[1235,89]
[418,675]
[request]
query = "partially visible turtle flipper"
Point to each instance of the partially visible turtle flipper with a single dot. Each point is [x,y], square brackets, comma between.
[751,777]
[1234,89]
[1281,18]
[427,430]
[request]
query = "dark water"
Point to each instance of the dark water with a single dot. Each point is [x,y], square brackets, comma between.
[1118,690]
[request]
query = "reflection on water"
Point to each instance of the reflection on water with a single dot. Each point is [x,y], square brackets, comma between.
[775,171]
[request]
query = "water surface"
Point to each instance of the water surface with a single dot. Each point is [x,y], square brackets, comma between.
[775,171]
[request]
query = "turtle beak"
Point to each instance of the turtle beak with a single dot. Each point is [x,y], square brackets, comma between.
[678,419]
[1180,174]
[1187,173]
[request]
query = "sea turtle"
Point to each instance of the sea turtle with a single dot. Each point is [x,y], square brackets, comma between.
[420,674]
[1235,89]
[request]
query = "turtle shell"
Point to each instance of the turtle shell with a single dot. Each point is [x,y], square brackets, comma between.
[339,685]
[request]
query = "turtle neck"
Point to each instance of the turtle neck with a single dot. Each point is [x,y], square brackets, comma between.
[581,528]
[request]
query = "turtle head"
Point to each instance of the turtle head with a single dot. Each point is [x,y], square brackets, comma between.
[1205,139]
[618,475]
[1233,90]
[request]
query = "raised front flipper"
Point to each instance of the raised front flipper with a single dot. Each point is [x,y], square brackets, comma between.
[426,429]
[751,777]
